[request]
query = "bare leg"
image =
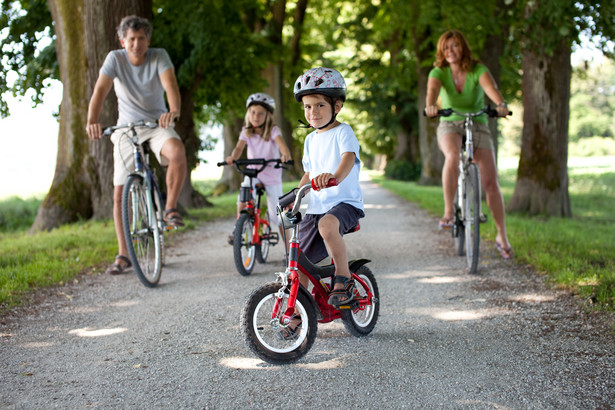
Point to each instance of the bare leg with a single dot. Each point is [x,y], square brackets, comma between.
[175,152]
[485,159]
[329,228]
[450,145]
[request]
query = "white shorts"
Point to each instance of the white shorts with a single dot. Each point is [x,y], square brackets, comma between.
[273,192]
[123,157]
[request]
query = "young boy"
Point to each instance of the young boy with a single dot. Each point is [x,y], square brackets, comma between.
[331,151]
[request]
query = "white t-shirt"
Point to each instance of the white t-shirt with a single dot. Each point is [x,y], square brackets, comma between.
[140,95]
[259,148]
[322,152]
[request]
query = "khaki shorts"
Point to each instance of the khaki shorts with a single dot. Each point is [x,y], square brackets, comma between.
[481,136]
[123,157]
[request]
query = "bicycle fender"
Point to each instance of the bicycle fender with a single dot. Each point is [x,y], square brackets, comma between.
[355,264]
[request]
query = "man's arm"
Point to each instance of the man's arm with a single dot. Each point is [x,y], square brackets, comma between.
[169,83]
[101,90]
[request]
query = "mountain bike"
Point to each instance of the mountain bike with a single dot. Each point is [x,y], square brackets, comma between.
[280,319]
[252,236]
[468,215]
[142,209]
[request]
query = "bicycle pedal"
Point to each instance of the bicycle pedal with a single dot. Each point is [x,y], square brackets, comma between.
[272,237]
[483,218]
[170,228]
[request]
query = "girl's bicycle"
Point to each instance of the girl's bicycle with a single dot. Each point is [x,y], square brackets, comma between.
[252,236]
[468,214]
[142,210]
[280,319]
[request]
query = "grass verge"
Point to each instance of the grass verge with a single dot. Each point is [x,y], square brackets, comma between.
[577,252]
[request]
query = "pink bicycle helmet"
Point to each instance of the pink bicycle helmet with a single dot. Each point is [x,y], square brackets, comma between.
[320,80]
[262,99]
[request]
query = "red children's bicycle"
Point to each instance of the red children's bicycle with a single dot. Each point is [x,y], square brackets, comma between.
[280,319]
[252,236]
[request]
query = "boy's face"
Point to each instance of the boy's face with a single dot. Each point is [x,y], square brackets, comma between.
[318,112]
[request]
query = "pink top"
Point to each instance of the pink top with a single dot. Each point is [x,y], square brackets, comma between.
[259,148]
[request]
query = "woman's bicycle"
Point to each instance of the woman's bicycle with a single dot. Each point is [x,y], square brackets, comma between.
[252,236]
[142,210]
[280,319]
[468,214]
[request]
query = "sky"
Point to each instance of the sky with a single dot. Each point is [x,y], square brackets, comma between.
[30,141]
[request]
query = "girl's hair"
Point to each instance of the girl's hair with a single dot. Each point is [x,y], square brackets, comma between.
[249,127]
[467,61]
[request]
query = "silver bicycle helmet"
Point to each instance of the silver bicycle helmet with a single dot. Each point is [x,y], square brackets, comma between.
[320,80]
[262,99]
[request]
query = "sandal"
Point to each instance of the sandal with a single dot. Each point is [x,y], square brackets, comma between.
[116,268]
[445,223]
[506,253]
[288,332]
[173,218]
[343,296]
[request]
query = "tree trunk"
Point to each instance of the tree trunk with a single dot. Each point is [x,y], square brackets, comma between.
[432,159]
[542,177]
[83,181]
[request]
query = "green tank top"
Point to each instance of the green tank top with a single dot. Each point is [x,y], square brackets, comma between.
[470,99]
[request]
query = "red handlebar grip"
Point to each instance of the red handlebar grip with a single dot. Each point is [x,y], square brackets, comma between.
[332,182]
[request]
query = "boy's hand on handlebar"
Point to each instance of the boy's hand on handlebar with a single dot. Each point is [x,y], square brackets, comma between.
[324,181]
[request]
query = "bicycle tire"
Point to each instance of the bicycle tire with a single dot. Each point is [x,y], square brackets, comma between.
[243,249]
[262,250]
[457,230]
[141,231]
[472,217]
[263,334]
[361,321]
[159,206]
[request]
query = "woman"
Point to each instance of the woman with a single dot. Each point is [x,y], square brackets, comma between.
[462,82]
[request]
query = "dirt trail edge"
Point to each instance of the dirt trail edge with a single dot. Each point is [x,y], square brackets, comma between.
[498,339]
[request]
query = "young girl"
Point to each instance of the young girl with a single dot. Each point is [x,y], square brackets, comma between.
[264,140]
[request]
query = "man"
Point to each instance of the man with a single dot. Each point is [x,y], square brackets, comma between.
[141,76]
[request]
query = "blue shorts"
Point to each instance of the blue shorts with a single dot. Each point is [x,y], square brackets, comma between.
[312,244]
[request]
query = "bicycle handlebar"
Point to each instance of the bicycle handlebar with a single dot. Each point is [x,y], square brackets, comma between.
[297,194]
[447,112]
[242,164]
[141,123]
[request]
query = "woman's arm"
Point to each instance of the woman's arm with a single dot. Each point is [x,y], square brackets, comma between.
[490,88]
[433,91]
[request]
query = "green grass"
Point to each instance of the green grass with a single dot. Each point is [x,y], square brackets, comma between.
[577,252]
[28,262]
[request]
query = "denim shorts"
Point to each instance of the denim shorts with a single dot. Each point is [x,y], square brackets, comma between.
[481,136]
[312,244]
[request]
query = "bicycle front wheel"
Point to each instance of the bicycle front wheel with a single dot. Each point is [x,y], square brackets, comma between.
[267,337]
[472,216]
[141,231]
[243,249]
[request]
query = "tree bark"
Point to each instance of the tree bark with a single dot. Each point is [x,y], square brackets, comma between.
[432,159]
[82,185]
[542,177]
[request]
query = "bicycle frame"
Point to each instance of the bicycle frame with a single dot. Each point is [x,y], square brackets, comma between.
[252,207]
[466,158]
[298,262]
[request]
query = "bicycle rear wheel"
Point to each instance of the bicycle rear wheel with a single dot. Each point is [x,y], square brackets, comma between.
[361,320]
[141,231]
[472,216]
[243,249]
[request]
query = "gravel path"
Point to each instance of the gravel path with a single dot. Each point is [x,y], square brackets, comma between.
[499,339]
